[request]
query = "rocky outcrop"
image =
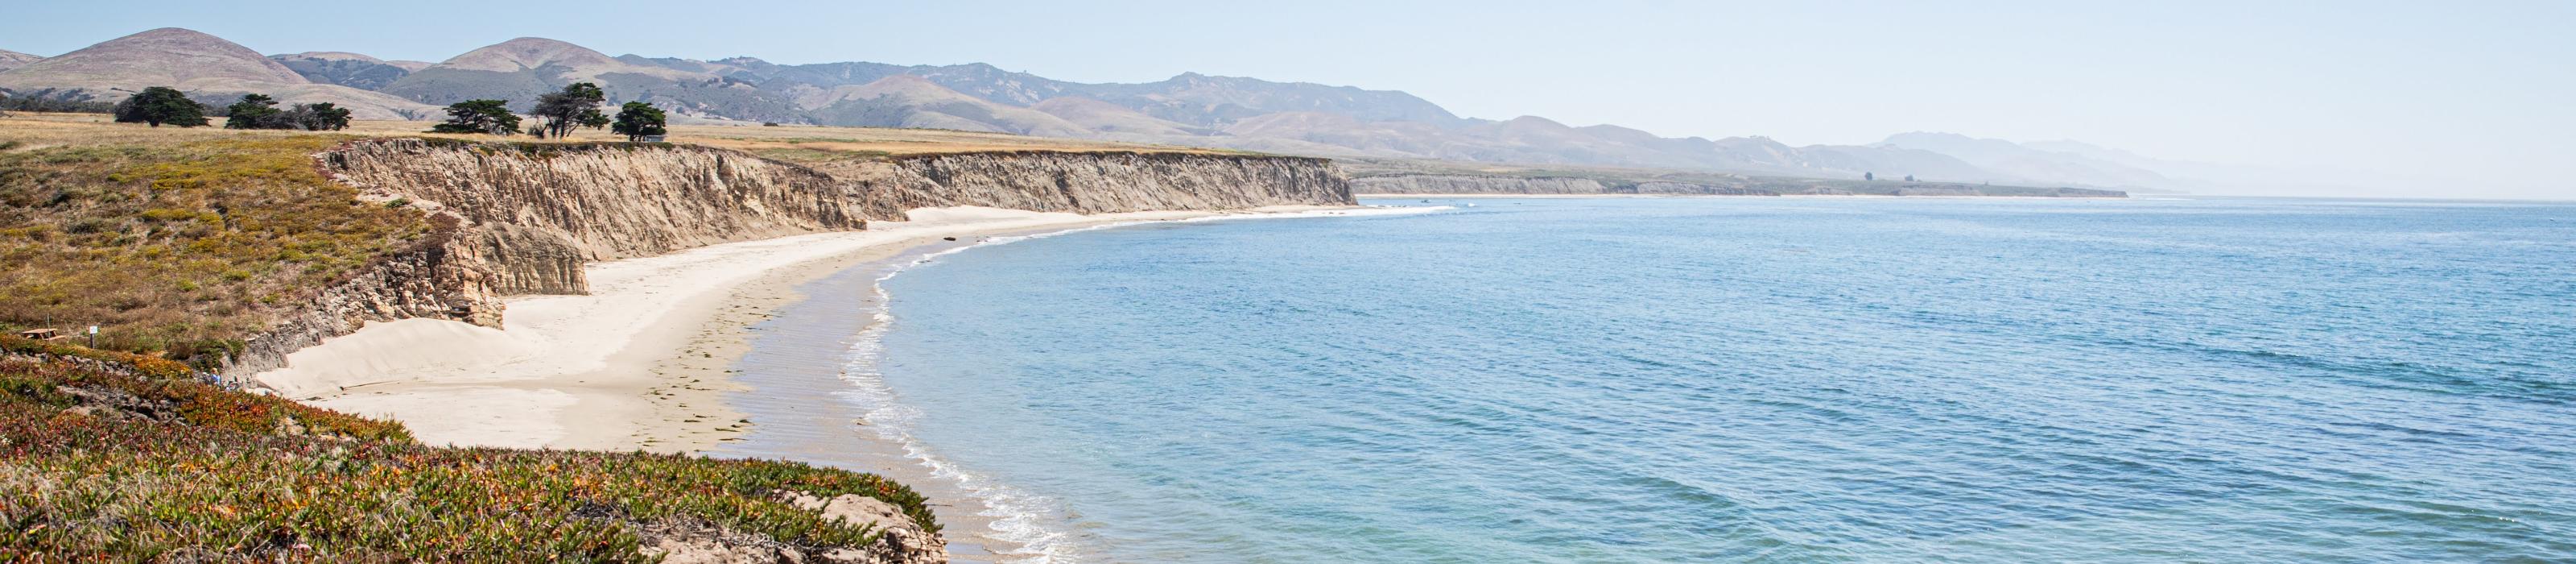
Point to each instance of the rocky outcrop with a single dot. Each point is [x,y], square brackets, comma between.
[1462,184]
[899,538]
[436,277]
[520,219]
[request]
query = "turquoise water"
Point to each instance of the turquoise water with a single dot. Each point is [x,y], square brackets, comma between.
[1765,379]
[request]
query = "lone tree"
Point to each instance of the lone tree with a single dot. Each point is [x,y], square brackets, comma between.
[576,106]
[254,111]
[1909,178]
[1869,176]
[637,119]
[161,104]
[479,116]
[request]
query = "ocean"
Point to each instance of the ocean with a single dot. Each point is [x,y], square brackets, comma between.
[1754,380]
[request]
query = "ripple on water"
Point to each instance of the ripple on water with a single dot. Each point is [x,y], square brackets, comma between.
[1749,380]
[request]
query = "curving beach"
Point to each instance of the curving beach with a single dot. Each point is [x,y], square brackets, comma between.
[651,359]
[639,363]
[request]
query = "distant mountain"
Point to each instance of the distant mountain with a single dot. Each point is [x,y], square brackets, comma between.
[13,59]
[1188,109]
[1111,119]
[208,68]
[912,101]
[520,69]
[347,69]
[168,54]
[2036,163]
[1759,154]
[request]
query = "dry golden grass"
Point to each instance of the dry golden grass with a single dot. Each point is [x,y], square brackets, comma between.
[175,241]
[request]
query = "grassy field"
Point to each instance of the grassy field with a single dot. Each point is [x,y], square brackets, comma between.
[102,467]
[181,242]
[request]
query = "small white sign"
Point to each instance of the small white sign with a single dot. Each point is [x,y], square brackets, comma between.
[93,329]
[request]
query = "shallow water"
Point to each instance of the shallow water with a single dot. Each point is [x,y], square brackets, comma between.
[1764,379]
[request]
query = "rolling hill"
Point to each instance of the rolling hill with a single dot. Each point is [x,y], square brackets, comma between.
[2030,161]
[208,68]
[348,69]
[1190,109]
[13,59]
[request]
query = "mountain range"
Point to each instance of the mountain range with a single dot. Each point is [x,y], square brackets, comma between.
[1190,109]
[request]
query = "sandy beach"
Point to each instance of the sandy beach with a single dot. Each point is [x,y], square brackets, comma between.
[639,363]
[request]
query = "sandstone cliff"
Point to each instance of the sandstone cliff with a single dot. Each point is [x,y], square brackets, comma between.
[1468,184]
[523,218]
[1095,182]
[1462,184]
[1685,188]
[1703,186]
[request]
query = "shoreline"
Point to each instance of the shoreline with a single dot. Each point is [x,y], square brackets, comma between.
[814,338]
[640,363]
[652,359]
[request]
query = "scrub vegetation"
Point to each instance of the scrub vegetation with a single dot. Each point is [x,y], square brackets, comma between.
[179,245]
[97,466]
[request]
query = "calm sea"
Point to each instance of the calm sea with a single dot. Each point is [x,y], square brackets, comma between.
[1764,379]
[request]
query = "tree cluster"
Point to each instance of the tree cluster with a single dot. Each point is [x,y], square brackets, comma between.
[39,101]
[256,111]
[159,105]
[556,115]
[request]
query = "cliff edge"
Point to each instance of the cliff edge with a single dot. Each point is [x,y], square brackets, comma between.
[518,219]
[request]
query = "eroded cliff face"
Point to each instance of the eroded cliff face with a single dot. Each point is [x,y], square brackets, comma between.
[1461,184]
[1685,188]
[442,276]
[1466,184]
[1100,182]
[522,219]
[1478,184]
[602,202]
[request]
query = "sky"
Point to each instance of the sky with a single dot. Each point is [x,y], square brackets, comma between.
[2470,98]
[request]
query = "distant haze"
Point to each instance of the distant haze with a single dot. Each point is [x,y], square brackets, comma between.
[2383,99]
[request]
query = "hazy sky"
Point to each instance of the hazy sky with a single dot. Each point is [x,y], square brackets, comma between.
[2481,95]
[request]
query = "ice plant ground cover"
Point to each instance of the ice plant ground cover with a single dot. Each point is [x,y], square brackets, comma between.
[105,467]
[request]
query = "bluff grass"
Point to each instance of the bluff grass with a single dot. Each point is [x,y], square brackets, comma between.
[184,247]
[215,475]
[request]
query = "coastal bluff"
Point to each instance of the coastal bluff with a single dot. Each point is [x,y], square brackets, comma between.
[1695,185]
[522,218]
